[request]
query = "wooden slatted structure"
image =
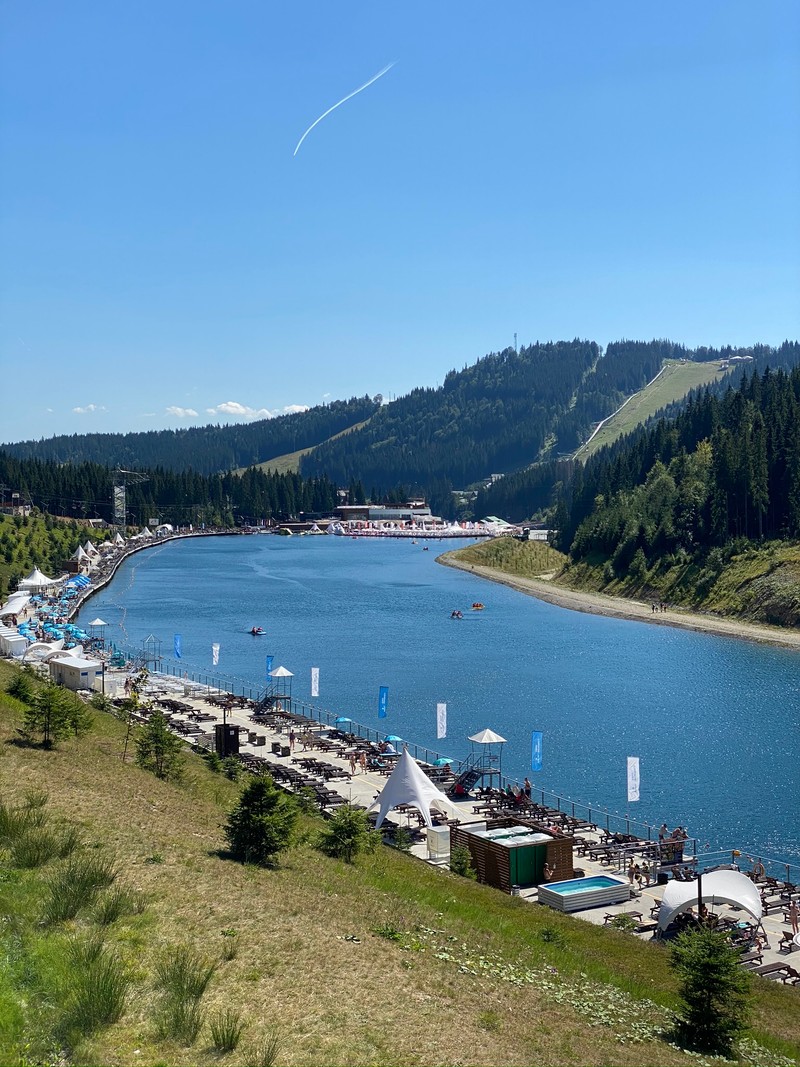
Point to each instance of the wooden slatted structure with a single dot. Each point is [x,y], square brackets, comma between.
[492,859]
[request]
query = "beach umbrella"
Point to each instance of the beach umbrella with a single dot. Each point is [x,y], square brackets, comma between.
[342,718]
[392,738]
[443,761]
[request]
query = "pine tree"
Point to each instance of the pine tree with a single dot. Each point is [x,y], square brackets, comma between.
[261,824]
[159,750]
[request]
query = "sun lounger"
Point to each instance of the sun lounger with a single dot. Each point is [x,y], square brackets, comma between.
[775,971]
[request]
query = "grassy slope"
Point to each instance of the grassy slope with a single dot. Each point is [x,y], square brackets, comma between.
[290,462]
[673,384]
[336,1000]
[761,585]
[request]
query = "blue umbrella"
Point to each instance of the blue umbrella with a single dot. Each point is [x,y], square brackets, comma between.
[342,718]
[443,761]
[392,738]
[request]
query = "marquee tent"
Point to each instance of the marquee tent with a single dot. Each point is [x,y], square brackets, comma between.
[717,887]
[119,539]
[408,784]
[79,554]
[37,580]
[89,549]
[15,603]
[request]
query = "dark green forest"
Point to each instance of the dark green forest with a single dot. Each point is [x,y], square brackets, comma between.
[83,490]
[207,449]
[726,469]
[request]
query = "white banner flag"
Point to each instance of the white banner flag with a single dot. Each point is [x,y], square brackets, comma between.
[633,778]
[315,681]
[214,655]
[441,720]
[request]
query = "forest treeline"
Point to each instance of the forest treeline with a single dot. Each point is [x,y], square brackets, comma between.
[209,449]
[83,490]
[727,468]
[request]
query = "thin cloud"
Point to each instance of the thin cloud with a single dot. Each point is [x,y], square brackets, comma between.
[181,413]
[235,410]
[89,409]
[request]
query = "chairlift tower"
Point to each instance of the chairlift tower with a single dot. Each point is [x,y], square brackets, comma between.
[122,479]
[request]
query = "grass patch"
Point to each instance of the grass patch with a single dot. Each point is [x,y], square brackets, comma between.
[528,559]
[227,1027]
[75,886]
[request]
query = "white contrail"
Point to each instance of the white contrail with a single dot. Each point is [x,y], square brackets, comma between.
[344,100]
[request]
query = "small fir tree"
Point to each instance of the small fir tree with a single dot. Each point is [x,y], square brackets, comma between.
[54,715]
[261,824]
[347,835]
[159,750]
[714,989]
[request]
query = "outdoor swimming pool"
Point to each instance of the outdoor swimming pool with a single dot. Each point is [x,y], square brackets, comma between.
[576,894]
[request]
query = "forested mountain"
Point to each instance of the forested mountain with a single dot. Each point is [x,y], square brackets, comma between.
[207,449]
[83,490]
[529,491]
[726,468]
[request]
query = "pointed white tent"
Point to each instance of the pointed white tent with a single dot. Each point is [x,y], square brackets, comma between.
[145,532]
[37,580]
[408,784]
[79,554]
[718,887]
[119,539]
[281,672]
[487,737]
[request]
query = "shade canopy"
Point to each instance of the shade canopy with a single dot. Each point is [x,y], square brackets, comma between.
[718,887]
[408,784]
[443,761]
[15,603]
[37,580]
[342,718]
[98,622]
[281,672]
[487,737]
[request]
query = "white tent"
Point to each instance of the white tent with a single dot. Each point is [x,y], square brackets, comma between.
[487,737]
[281,672]
[119,539]
[37,580]
[98,622]
[408,784]
[14,605]
[79,554]
[718,887]
[145,532]
[89,549]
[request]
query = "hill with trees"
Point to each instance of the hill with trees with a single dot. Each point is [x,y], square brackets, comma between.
[209,449]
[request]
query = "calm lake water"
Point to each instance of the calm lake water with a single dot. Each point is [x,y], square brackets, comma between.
[714,721]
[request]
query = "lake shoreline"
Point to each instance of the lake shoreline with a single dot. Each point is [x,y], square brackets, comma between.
[631,610]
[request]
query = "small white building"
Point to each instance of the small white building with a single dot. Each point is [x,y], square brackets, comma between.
[75,673]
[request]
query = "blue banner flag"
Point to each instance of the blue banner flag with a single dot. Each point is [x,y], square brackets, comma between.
[269,665]
[536,750]
[177,646]
[383,701]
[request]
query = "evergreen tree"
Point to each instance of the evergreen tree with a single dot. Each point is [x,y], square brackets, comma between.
[714,989]
[261,824]
[347,835]
[53,715]
[159,750]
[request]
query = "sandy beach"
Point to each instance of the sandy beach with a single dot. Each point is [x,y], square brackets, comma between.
[620,608]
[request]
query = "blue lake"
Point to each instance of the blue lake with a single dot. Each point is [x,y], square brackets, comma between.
[713,720]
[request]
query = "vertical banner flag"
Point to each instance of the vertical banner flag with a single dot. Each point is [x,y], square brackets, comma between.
[269,665]
[383,701]
[177,646]
[633,777]
[441,720]
[536,750]
[214,654]
[315,681]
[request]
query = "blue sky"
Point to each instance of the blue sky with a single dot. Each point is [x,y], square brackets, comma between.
[553,169]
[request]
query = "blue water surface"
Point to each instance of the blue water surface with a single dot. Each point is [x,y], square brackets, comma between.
[713,720]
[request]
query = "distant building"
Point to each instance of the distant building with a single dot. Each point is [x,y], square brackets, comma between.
[75,673]
[413,511]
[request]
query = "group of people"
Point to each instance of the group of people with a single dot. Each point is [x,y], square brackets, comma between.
[639,873]
[678,834]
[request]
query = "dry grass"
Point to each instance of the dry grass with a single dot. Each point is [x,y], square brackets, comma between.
[308,963]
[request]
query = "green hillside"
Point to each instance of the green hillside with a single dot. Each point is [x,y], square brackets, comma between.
[677,379]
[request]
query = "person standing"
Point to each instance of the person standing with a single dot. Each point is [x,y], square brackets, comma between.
[794,917]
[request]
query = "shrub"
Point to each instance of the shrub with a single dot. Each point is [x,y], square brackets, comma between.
[159,750]
[347,835]
[113,905]
[21,687]
[461,862]
[226,1027]
[232,768]
[401,839]
[53,715]
[261,824]
[714,989]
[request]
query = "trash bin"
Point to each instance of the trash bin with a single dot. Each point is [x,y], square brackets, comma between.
[276,748]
